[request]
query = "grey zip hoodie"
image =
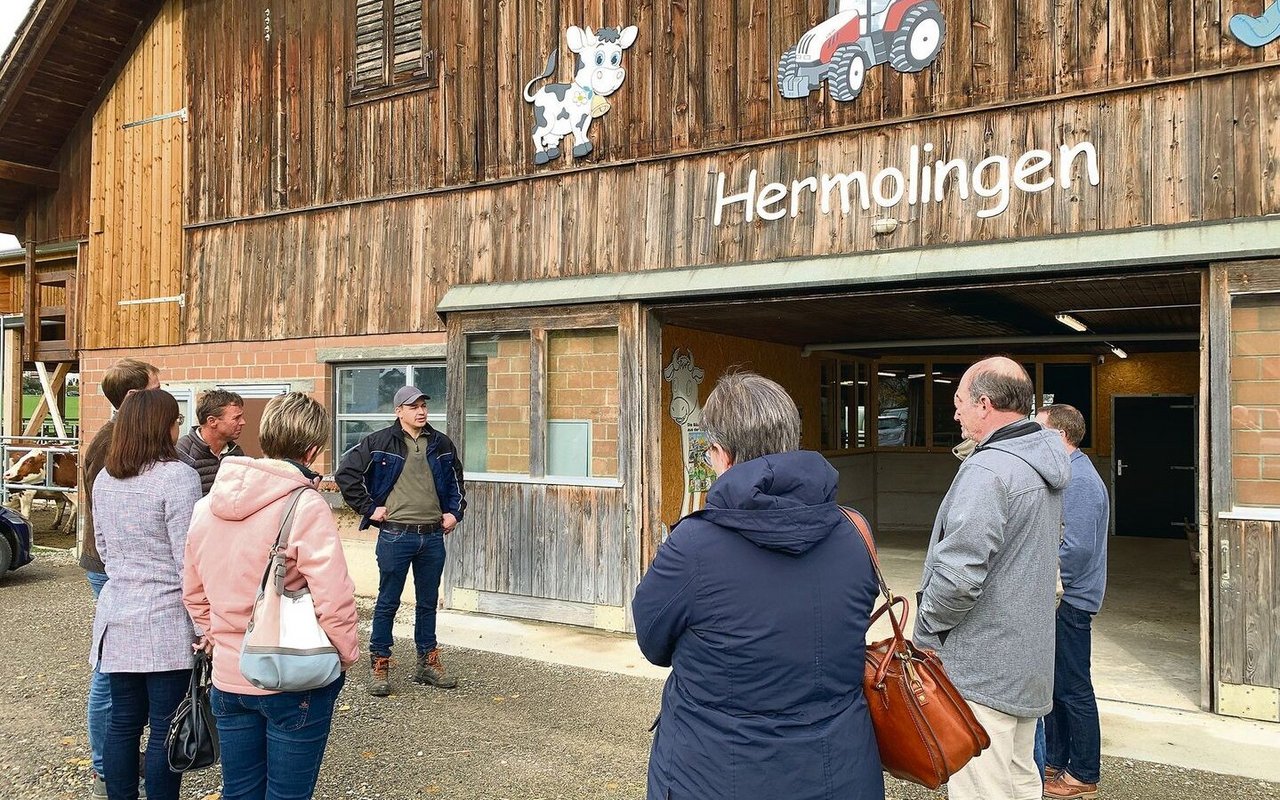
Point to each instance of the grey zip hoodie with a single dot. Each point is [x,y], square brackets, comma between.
[987,596]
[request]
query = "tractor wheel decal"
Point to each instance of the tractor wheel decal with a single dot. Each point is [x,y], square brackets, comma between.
[788,70]
[848,73]
[919,38]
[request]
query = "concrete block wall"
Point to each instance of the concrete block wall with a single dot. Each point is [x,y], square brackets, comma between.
[1255,402]
[508,409]
[582,383]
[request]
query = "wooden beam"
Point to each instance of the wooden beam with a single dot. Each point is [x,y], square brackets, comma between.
[51,386]
[52,394]
[47,18]
[28,175]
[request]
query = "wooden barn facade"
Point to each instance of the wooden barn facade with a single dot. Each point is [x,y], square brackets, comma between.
[854,197]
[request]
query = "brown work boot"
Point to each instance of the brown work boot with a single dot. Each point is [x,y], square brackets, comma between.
[380,681]
[1065,787]
[431,671]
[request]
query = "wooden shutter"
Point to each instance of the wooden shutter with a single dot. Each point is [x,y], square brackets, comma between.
[370,51]
[408,50]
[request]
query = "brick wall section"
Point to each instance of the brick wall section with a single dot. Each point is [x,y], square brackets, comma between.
[1255,402]
[508,412]
[291,361]
[582,383]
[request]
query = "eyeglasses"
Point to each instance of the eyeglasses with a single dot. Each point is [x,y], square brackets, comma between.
[706,455]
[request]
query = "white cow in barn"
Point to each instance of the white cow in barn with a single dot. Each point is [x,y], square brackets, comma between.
[560,109]
[30,468]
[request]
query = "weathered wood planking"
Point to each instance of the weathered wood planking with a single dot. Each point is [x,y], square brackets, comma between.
[1247,642]
[368,262]
[701,75]
[135,197]
[538,540]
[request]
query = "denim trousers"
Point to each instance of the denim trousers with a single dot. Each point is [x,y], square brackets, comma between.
[272,744]
[99,705]
[1073,736]
[397,553]
[139,699]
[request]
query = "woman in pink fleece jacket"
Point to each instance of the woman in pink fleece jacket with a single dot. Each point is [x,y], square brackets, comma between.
[272,742]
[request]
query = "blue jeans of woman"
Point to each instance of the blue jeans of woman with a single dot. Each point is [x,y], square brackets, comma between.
[272,744]
[138,699]
[99,705]
[1073,734]
[397,553]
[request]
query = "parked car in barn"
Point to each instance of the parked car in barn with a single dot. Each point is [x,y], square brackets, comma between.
[15,541]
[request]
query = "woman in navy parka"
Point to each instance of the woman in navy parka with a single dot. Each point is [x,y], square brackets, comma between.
[760,604]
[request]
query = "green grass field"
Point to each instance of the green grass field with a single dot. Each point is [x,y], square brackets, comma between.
[29,402]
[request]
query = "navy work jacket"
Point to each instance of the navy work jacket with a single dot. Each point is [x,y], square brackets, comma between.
[369,471]
[760,604]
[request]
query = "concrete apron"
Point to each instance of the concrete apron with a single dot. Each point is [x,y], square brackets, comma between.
[1145,732]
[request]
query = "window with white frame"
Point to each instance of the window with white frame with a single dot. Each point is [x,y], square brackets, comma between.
[365,393]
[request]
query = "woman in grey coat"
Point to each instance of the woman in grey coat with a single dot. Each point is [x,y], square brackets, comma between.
[142,634]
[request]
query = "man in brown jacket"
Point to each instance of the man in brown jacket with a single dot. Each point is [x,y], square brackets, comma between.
[126,376]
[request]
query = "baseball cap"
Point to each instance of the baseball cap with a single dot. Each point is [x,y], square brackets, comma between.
[407,395]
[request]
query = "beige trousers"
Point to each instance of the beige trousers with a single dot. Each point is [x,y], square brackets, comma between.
[1007,769]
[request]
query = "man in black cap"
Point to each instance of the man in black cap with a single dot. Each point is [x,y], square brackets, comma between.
[407,480]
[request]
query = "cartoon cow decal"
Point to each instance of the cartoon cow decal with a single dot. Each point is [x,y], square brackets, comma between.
[1257,31]
[560,109]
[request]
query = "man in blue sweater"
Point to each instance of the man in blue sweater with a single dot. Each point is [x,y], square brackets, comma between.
[1073,736]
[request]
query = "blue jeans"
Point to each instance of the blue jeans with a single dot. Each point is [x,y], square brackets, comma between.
[99,706]
[396,553]
[1072,733]
[272,744]
[136,699]
[1038,752]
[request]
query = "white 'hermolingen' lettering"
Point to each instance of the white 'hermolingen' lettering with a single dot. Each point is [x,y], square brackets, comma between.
[994,179]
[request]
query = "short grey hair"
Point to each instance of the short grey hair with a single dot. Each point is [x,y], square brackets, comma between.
[292,424]
[750,416]
[1007,392]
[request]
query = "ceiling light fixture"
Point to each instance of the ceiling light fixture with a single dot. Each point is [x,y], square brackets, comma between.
[1071,322]
[887,374]
[1119,353]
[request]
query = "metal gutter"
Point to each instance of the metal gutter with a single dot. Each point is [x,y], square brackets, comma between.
[1094,252]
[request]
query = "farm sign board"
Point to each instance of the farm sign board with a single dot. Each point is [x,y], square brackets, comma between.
[924,178]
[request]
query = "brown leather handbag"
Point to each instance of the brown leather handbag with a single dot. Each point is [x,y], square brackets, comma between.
[925,730]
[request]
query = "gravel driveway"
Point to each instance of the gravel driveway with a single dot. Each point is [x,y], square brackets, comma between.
[513,729]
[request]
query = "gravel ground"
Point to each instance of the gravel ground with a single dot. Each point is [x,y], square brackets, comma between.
[513,729]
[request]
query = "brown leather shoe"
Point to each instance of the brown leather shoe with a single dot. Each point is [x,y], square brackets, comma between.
[1051,772]
[431,671]
[380,681]
[1065,787]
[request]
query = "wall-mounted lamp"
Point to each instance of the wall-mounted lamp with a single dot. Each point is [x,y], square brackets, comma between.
[884,226]
[1071,322]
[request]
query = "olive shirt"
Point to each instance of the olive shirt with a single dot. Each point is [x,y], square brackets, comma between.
[413,500]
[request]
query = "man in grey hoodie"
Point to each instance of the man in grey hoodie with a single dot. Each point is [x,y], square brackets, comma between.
[987,595]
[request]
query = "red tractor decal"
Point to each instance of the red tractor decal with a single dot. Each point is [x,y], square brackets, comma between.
[860,35]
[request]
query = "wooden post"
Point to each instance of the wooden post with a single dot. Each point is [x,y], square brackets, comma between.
[31,294]
[1218,312]
[12,421]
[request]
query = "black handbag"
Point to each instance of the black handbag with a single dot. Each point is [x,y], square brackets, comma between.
[192,743]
